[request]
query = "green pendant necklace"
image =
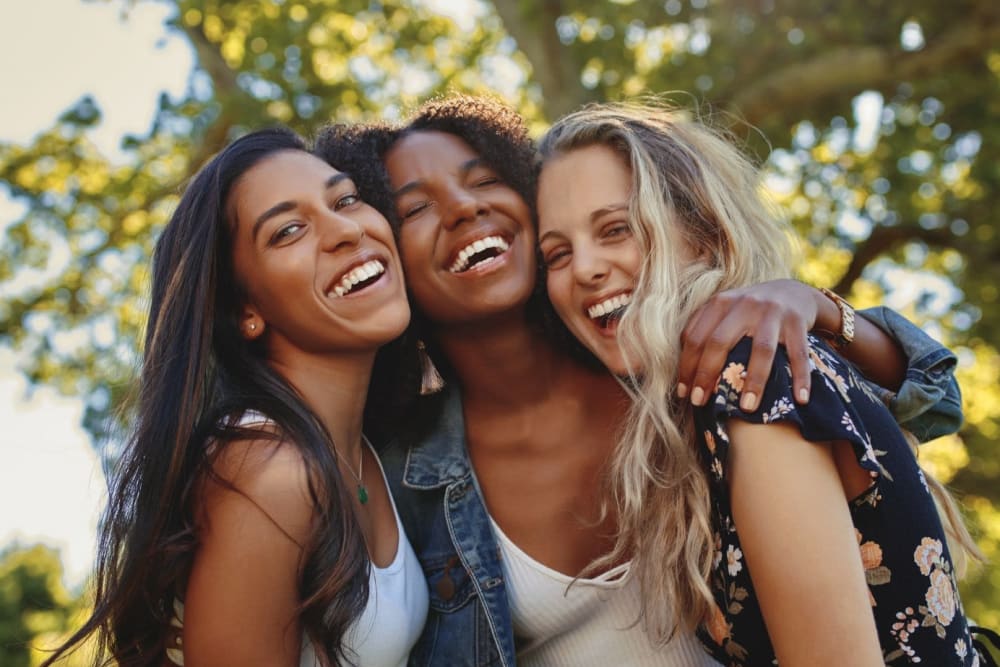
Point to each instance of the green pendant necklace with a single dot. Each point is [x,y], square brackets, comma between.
[359,478]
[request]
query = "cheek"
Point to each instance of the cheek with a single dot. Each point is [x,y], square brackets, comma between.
[415,264]
[414,254]
[631,259]
[379,228]
[415,243]
[560,294]
[415,259]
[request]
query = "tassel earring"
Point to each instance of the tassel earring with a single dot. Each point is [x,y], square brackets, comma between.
[431,381]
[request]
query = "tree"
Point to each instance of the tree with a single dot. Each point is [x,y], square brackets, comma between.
[879,143]
[35,607]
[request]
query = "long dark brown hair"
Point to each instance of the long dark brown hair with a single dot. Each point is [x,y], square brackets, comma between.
[198,376]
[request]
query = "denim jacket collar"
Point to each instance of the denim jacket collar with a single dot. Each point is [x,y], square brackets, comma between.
[441,458]
[455,534]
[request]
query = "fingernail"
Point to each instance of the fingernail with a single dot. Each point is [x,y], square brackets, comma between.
[682,390]
[748,401]
[698,396]
[803,395]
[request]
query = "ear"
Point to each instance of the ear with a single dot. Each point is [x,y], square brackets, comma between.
[251,323]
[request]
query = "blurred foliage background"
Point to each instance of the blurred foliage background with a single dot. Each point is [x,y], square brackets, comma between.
[874,119]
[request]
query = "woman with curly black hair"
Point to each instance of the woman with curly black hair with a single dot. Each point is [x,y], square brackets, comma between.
[501,476]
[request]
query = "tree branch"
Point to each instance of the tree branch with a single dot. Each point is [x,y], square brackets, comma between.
[227,92]
[854,68]
[533,26]
[881,241]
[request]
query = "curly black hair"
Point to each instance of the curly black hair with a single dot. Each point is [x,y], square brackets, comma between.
[492,129]
[499,135]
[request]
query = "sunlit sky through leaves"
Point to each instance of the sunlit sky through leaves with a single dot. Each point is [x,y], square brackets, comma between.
[53,52]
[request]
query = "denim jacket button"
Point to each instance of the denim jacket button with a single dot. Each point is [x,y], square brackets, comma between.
[445,587]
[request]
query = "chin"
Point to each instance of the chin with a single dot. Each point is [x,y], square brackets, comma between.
[400,319]
[612,360]
[503,298]
[617,368]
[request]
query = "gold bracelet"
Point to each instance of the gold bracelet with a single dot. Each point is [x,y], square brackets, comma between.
[845,336]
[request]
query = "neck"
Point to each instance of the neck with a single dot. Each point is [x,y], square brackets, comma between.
[334,387]
[505,363]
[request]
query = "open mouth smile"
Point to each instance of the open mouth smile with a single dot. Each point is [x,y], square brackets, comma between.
[479,253]
[606,313]
[358,278]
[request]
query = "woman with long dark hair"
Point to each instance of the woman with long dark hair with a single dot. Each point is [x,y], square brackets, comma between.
[248,520]
[501,476]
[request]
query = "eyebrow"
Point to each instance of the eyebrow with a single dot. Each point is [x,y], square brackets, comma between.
[285,206]
[604,210]
[463,169]
[594,215]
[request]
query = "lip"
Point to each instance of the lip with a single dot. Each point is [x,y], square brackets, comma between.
[599,298]
[470,238]
[354,263]
[610,332]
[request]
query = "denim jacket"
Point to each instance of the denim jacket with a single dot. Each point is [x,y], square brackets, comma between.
[442,509]
[440,504]
[929,403]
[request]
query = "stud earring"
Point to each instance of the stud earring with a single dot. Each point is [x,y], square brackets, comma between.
[431,381]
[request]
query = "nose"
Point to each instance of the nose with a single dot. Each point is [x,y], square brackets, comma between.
[589,268]
[461,205]
[339,231]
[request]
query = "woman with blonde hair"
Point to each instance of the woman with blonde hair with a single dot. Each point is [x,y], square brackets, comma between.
[811,535]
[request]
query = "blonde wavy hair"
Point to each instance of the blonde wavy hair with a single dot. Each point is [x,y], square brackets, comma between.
[691,190]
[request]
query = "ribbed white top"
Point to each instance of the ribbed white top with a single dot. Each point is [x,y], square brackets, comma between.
[592,622]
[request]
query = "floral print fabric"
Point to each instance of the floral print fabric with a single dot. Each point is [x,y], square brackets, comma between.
[911,581]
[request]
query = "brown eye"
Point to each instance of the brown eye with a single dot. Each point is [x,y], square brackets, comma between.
[413,210]
[614,230]
[556,257]
[347,200]
[285,232]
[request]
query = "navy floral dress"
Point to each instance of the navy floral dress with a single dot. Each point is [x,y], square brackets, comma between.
[911,580]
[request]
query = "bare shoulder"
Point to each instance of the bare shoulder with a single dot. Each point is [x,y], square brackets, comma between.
[263,478]
[254,521]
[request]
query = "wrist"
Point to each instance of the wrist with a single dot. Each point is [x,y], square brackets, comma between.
[841,317]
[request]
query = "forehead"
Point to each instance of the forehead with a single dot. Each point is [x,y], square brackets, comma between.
[283,176]
[577,183]
[426,154]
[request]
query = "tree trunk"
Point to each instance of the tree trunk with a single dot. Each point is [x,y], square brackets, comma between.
[533,26]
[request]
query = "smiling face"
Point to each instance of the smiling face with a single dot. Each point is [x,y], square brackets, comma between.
[319,266]
[466,239]
[587,245]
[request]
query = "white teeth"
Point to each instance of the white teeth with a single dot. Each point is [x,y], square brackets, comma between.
[609,305]
[359,274]
[462,261]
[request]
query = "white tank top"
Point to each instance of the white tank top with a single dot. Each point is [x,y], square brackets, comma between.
[392,619]
[396,611]
[592,622]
